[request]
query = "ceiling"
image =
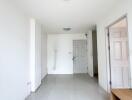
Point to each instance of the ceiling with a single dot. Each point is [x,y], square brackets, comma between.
[80,15]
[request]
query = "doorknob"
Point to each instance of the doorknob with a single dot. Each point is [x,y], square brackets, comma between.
[73,58]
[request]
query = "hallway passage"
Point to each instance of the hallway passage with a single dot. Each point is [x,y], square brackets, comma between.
[69,87]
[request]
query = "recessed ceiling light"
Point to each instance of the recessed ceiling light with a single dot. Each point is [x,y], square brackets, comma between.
[66,28]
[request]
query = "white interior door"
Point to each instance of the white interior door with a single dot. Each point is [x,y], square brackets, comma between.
[119,58]
[80,56]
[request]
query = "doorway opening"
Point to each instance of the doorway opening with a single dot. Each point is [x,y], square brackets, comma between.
[85,56]
[95,54]
[119,54]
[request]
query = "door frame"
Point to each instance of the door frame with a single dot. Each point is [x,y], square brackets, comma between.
[73,51]
[109,87]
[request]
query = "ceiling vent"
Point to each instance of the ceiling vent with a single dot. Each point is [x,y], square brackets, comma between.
[67,29]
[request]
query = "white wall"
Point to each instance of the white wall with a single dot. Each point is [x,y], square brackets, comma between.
[123,8]
[14,52]
[35,54]
[90,55]
[60,52]
[44,54]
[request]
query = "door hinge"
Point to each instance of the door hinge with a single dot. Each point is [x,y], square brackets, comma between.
[109,47]
[110,83]
[108,34]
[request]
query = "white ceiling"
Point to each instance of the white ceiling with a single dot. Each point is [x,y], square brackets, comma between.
[80,15]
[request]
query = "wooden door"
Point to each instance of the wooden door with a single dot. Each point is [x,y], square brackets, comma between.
[119,58]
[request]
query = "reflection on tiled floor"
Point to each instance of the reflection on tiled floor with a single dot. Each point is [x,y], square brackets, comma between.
[69,87]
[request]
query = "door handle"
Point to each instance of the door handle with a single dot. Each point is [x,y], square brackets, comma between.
[73,58]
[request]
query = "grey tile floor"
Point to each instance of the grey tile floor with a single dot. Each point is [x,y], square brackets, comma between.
[69,87]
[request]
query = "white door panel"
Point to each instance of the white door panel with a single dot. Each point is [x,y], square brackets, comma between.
[117,81]
[119,58]
[126,77]
[80,56]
